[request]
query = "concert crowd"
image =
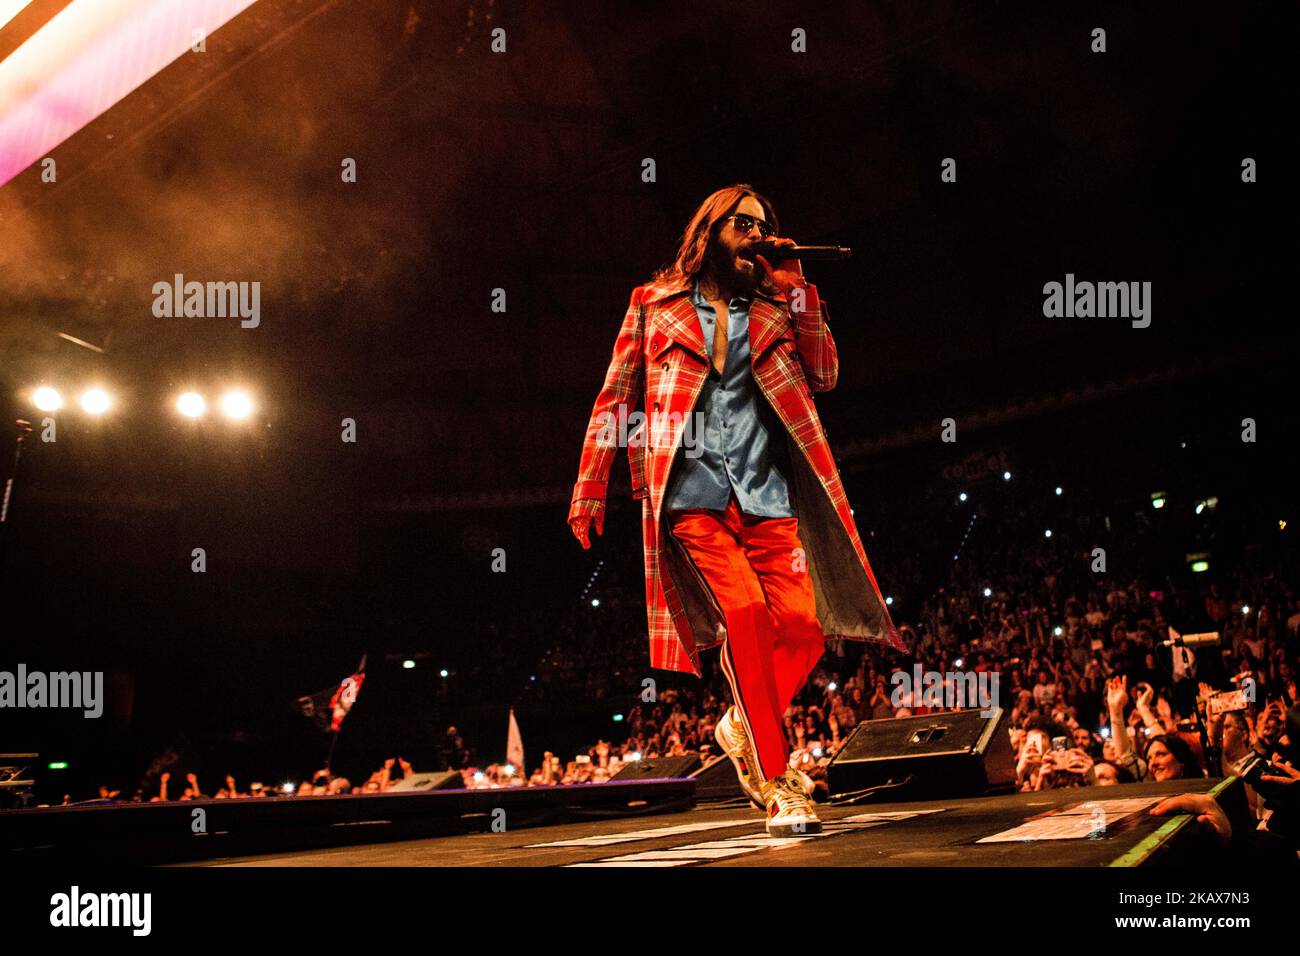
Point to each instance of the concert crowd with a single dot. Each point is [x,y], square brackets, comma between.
[1093,694]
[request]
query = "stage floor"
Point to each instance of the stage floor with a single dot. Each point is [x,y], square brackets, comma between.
[1103,826]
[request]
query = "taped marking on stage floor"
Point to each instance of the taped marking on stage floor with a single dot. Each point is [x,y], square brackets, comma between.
[709,851]
[608,838]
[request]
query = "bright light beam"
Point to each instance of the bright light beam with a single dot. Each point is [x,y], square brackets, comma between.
[90,55]
[95,401]
[236,404]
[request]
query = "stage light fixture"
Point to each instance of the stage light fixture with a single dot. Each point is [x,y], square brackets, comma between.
[1006,476]
[95,401]
[47,399]
[191,405]
[408,664]
[962,496]
[236,404]
[443,672]
[1058,489]
[1047,533]
[988,592]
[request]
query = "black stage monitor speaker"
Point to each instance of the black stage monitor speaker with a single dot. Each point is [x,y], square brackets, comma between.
[717,782]
[650,768]
[437,780]
[951,754]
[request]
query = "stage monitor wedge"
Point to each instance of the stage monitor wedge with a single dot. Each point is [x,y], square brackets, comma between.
[951,754]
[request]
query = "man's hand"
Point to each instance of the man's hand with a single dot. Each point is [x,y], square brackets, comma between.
[1117,694]
[580,523]
[1077,761]
[1292,774]
[788,273]
[1209,815]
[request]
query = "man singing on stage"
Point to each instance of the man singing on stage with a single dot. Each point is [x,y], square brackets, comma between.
[749,542]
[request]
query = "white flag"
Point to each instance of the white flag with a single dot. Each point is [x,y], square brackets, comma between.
[515,743]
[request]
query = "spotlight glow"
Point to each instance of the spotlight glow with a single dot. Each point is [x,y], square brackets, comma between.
[988,592]
[236,404]
[94,401]
[47,399]
[1006,476]
[1058,489]
[408,664]
[191,405]
[962,496]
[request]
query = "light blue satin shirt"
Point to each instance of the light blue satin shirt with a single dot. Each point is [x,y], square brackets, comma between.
[738,448]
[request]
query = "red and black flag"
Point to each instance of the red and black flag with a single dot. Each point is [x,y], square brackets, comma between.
[328,707]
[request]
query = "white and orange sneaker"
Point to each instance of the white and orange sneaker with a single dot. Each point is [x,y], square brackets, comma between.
[789,813]
[731,737]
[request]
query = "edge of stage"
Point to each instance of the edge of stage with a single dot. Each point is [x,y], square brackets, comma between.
[656,822]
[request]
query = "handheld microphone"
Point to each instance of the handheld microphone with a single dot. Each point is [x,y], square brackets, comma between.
[774,254]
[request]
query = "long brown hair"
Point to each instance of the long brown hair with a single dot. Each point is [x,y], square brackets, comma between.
[692,253]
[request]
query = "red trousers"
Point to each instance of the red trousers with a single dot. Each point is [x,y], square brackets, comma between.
[757,570]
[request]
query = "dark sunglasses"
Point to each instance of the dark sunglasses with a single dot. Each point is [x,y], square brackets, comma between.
[744,223]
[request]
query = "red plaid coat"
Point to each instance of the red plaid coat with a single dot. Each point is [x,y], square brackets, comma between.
[659,366]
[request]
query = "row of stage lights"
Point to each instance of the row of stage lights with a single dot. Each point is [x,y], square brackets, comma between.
[235,403]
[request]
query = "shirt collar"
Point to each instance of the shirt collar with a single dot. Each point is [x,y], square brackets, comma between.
[698,297]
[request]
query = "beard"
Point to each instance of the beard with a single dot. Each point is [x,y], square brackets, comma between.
[735,268]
